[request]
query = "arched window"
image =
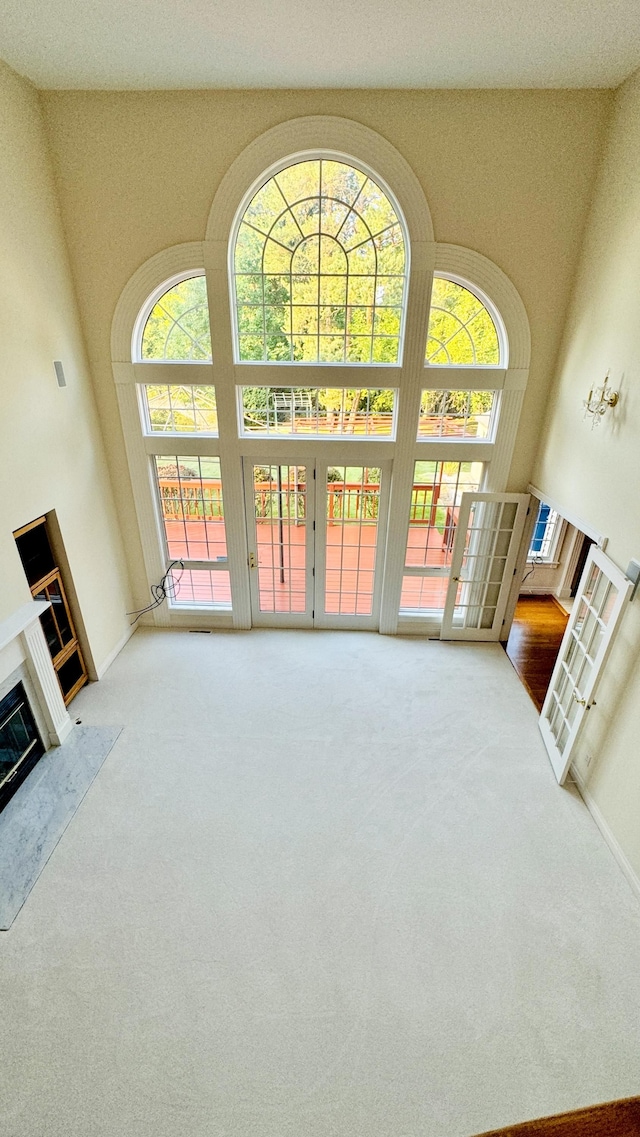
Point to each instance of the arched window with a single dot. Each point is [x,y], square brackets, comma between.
[176,327]
[308,263]
[319,269]
[461,328]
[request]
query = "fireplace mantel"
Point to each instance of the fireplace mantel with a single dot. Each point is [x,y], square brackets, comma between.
[22,640]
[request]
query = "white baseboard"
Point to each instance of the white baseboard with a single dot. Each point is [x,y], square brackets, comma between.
[106,663]
[603,826]
[537,590]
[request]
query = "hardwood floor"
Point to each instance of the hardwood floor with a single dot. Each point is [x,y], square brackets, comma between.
[532,647]
[612,1119]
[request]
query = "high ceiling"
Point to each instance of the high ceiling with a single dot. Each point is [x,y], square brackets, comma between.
[147,44]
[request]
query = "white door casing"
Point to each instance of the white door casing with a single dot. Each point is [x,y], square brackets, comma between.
[597,611]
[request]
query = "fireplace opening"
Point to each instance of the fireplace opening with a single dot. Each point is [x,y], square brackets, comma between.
[20,742]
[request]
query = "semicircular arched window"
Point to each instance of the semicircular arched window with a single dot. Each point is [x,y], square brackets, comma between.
[177,327]
[319,266]
[461,328]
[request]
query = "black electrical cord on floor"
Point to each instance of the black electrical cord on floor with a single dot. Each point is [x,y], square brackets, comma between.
[167,588]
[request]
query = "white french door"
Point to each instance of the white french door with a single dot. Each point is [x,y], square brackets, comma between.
[595,617]
[351,518]
[315,538]
[280,511]
[485,550]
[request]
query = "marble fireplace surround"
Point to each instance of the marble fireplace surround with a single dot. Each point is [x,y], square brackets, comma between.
[25,658]
[34,820]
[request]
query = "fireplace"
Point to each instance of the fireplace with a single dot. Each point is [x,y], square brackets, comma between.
[20,742]
[33,716]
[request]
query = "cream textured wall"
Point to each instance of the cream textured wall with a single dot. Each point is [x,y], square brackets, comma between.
[51,448]
[508,173]
[596,473]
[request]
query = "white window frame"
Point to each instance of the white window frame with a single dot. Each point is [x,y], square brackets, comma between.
[278,147]
[261,180]
[550,559]
[145,312]
[503,339]
[188,563]
[346,439]
[493,422]
[146,421]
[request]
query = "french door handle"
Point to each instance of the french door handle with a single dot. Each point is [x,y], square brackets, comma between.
[584,703]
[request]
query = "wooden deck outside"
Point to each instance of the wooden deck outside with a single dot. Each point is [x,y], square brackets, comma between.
[351,536]
[350,566]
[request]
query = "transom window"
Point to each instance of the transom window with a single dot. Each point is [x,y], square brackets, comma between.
[337,411]
[178,409]
[177,327]
[461,328]
[457,414]
[319,269]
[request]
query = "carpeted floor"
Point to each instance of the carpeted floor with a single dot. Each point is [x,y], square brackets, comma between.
[325,886]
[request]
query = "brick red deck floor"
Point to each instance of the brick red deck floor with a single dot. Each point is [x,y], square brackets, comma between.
[350,566]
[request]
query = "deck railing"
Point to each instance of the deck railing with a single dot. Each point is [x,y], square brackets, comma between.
[201,499]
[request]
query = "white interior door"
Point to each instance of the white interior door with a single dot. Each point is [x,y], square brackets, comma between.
[280,503]
[594,620]
[483,561]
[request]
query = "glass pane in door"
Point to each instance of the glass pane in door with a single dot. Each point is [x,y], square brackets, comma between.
[435,504]
[487,545]
[280,512]
[595,608]
[55,621]
[353,499]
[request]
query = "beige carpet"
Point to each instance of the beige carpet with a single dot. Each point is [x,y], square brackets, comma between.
[325,885]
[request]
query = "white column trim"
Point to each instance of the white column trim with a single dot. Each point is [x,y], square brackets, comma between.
[497,475]
[143,496]
[45,681]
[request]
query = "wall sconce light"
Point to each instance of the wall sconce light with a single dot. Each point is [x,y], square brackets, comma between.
[599,400]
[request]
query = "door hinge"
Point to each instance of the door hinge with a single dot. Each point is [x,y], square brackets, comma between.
[314,527]
[251,561]
[313,571]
